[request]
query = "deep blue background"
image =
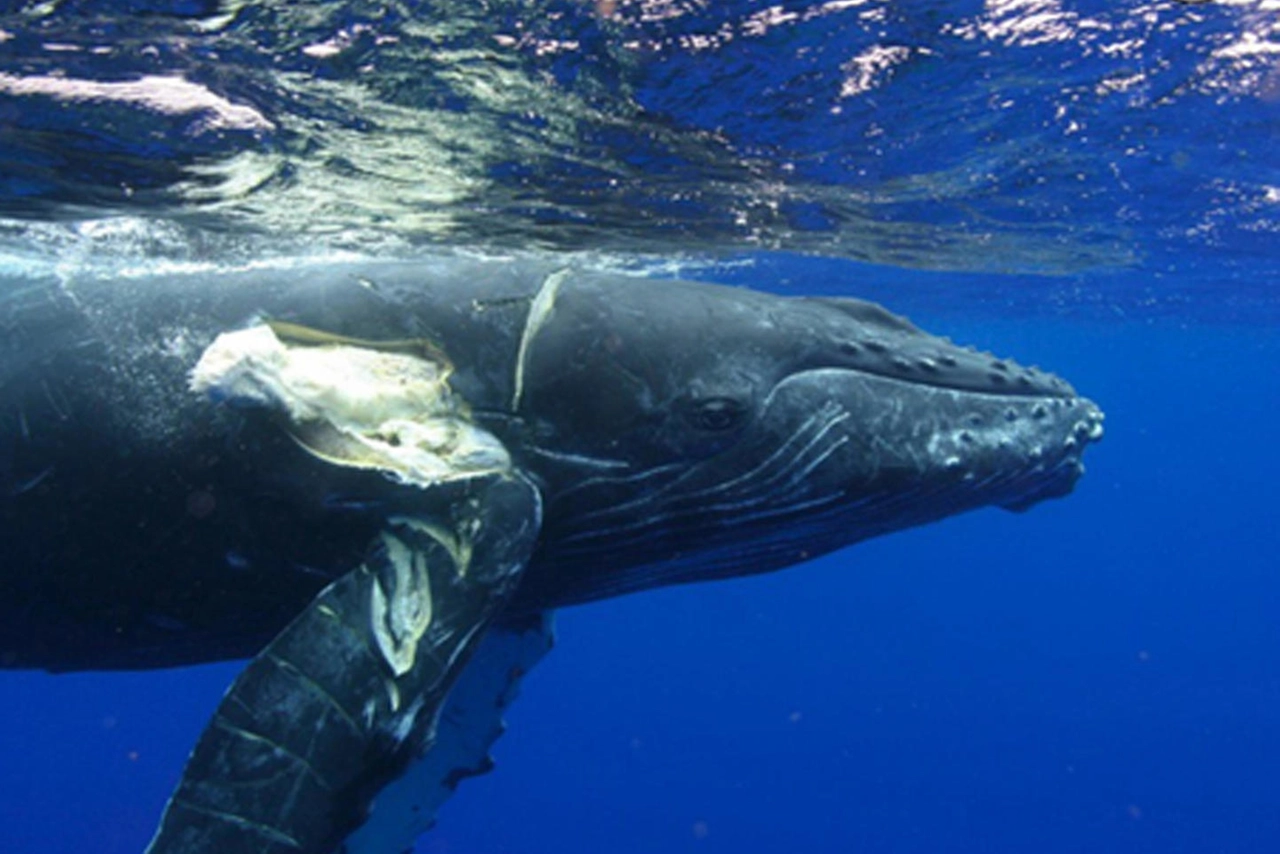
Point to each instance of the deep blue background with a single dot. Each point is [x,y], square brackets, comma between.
[1100,674]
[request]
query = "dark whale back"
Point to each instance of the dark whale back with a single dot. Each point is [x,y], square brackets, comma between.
[143,527]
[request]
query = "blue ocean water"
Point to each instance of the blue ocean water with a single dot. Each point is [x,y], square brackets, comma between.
[1091,187]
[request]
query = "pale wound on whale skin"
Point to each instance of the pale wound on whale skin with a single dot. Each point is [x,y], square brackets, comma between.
[543,304]
[353,403]
[458,548]
[400,605]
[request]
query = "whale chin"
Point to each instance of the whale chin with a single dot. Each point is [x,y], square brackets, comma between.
[1058,482]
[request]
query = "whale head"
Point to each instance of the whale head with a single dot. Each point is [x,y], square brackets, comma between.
[684,432]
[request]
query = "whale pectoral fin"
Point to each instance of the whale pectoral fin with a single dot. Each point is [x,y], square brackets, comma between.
[347,696]
[469,723]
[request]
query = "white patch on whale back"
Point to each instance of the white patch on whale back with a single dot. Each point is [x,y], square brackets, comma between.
[539,311]
[354,406]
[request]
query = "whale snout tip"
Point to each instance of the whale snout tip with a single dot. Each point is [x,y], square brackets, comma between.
[1060,468]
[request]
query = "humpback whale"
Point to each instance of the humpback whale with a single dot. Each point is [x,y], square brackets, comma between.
[377,481]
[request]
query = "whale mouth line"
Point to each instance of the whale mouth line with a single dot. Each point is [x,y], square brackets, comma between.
[1054,400]
[1013,387]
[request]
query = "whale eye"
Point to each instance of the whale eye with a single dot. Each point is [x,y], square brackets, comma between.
[717,413]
